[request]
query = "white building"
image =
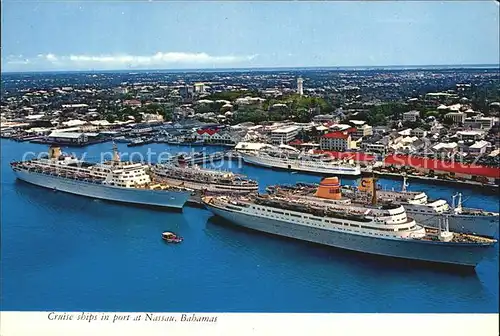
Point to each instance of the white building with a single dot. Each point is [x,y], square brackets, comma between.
[479,147]
[363,131]
[335,141]
[445,147]
[249,100]
[284,135]
[411,116]
[418,132]
[470,135]
[479,123]
[199,88]
[457,117]
[300,86]
[377,147]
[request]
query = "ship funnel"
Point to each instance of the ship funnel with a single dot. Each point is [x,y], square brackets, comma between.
[367,184]
[54,152]
[329,187]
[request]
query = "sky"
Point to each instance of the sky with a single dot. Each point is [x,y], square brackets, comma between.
[107,35]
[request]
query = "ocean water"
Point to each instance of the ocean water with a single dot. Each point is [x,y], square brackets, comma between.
[71,253]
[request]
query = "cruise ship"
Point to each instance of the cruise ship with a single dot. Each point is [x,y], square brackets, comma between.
[289,158]
[331,219]
[113,180]
[428,212]
[206,180]
[417,204]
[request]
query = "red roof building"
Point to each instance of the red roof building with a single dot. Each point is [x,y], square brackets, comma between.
[336,135]
[295,142]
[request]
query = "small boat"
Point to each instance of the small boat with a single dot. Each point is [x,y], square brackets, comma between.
[171,237]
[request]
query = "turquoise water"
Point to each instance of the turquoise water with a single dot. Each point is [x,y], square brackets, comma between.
[65,252]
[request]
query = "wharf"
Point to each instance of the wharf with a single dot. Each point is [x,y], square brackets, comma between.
[195,200]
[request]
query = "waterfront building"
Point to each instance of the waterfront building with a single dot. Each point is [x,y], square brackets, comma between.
[336,141]
[68,138]
[284,134]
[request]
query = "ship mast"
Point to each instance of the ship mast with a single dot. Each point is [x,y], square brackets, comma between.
[374,189]
[405,184]
[116,156]
[458,208]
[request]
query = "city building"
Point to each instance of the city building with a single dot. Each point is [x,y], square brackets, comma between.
[199,87]
[68,138]
[479,147]
[284,135]
[186,92]
[362,131]
[479,123]
[457,117]
[336,141]
[411,116]
[470,135]
[418,132]
[300,86]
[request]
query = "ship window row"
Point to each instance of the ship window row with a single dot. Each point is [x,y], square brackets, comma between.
[376,228]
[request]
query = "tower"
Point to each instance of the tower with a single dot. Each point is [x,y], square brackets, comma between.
[300,89]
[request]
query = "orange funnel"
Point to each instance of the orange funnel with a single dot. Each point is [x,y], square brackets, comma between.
[329,187]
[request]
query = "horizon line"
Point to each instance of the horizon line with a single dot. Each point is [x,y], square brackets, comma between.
[271,68]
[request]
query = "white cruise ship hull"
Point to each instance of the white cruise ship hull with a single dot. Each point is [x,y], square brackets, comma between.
[158,198]
[486,226]
[210,187]
[301,166]
[457,254]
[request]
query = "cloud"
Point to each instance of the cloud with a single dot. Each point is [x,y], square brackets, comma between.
[123,60]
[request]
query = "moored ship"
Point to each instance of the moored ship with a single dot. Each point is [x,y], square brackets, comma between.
[290,159]
[330,219]
[113,180]
[206,180]
[425,211]
[196,158]
[428,212]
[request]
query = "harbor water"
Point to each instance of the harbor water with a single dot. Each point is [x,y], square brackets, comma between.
[71,253]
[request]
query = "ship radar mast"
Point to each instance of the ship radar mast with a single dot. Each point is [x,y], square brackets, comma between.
[457,208]
[374,189]
[405,184]
[116,156]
